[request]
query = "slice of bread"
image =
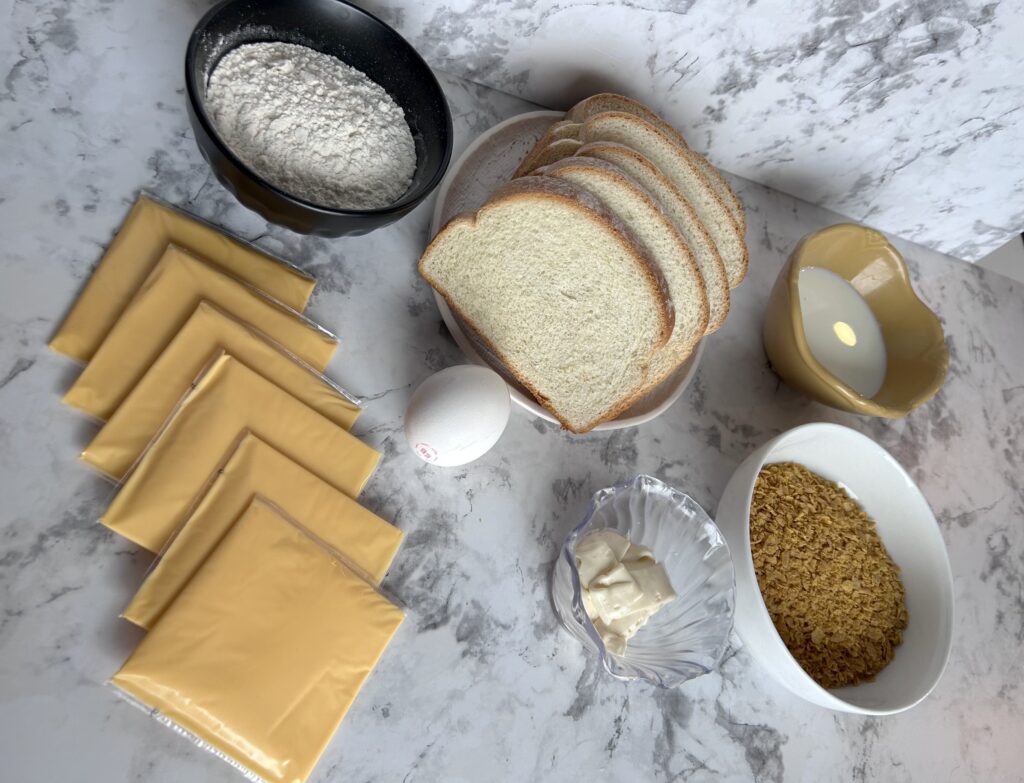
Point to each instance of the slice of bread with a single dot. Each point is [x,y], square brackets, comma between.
[563,129]
[680,166]
[609,101]
[549,149]
[658,235]
[684,167]
[716,284]
[724,190]
[559,291]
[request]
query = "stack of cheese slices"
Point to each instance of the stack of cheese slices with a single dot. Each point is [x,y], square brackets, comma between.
[595,272]
[236,467]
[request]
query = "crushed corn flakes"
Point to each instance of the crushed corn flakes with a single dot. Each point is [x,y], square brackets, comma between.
[831,588]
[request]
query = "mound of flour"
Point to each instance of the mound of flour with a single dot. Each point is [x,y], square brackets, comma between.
[312,125]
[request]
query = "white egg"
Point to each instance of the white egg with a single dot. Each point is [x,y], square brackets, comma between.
[457,415]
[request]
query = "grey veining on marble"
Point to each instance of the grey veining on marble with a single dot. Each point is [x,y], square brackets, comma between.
[480,683]
[904,114]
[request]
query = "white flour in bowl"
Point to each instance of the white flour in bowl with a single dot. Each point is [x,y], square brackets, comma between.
[312,125]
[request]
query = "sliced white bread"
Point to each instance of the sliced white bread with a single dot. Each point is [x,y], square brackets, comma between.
[609,101]
[684,167]
[563,129]
[678,165]
[578,114]
[558,290]
[723,189]
[659,237]
[712,270]
[547,150]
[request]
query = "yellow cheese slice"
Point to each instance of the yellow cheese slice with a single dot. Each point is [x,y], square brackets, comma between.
[226,402]
[162,306]
[138,246]
[266,648]
[207,333]
[366,541]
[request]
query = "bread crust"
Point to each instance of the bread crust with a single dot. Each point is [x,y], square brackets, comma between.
[565,192]
[732,201]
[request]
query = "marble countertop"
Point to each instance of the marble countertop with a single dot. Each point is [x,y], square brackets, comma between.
[901,114]
[480,683]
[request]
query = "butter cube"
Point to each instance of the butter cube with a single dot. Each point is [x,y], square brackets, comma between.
[637,553]
[654,585]
[594,557]
[614,593]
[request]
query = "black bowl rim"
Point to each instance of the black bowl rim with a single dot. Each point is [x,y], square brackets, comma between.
[410,199]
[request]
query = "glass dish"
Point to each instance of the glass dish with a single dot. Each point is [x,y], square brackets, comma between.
[689,636]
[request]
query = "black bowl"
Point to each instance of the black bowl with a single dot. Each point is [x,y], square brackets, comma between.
[355,37]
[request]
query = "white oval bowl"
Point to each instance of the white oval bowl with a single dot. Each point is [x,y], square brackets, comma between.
[488,162]
[910,533]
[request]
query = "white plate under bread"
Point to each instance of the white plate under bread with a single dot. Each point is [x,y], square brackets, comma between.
[487,163]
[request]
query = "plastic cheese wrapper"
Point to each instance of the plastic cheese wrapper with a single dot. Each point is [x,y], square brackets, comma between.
[264,651]
[366,541]
[207,333]
[225,402]
[163,304]
[138,246]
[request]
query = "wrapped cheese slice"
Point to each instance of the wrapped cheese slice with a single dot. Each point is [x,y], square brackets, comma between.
[225,402]
[366,541]
[207,333]
[162,306]
[266,648]
[149,228]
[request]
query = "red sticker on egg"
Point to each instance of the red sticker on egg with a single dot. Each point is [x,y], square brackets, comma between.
[429,453]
